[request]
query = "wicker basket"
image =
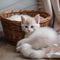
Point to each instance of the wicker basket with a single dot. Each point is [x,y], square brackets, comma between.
[12,29]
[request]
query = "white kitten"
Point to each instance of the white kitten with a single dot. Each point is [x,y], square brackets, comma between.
[36,39]
[29,25]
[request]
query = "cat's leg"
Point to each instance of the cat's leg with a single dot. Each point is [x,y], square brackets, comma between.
[21,41]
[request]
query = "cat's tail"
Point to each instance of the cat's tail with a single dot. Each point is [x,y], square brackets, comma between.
[38,54]
[27,51]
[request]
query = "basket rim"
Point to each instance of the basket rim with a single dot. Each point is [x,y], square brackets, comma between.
[9,12]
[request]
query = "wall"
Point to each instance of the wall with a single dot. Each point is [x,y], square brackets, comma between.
[7,5]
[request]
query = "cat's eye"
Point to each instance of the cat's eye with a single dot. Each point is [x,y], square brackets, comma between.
[32,26]
[26,26]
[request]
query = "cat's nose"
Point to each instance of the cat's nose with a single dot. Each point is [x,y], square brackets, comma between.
[28,30]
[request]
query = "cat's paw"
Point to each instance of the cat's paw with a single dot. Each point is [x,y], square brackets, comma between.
[18,49]
[18,43]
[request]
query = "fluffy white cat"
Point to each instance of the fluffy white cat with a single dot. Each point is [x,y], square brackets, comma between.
[36,38]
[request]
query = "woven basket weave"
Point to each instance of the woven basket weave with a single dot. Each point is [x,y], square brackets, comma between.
[12,29]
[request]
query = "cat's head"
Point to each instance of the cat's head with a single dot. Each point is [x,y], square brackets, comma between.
[30,24]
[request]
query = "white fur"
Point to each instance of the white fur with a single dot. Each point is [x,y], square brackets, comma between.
[38,54]
[42,37]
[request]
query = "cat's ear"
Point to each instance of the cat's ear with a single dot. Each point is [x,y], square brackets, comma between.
[37,18]
[22,19]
